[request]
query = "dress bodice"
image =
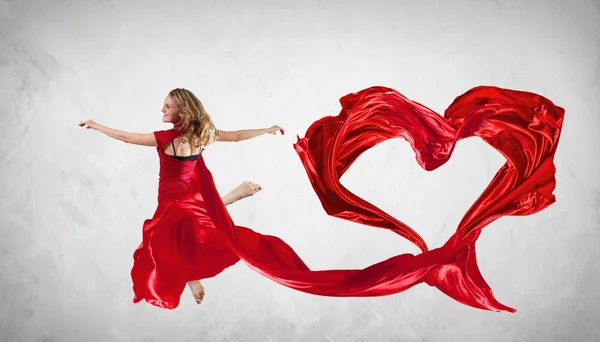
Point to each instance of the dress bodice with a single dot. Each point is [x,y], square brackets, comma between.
[175,172]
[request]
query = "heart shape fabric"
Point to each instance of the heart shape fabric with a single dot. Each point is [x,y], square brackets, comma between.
[524,127]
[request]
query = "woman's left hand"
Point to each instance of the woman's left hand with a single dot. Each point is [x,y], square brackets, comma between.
[273,129]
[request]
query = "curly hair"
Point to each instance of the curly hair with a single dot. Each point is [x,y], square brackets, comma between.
[196,124]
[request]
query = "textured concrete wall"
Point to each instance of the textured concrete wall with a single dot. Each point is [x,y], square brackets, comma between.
[73,201]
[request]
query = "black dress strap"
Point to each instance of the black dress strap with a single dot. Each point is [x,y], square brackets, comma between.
[185,158]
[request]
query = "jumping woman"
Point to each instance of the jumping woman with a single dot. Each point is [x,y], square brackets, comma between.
[180,243]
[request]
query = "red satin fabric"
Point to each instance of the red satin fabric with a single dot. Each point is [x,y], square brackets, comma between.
[523,126]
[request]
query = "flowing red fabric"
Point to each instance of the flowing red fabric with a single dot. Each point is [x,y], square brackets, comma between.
[523,126]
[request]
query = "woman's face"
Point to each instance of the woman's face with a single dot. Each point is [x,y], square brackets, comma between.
[170,111]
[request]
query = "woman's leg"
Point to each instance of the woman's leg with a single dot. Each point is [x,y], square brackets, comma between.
[243,190]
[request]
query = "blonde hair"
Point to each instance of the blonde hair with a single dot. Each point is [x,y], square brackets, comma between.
[196,124]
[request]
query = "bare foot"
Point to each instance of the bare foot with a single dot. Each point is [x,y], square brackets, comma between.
[245,189]
[197,290]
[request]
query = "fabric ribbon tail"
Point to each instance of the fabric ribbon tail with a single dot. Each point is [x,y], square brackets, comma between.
[461,280]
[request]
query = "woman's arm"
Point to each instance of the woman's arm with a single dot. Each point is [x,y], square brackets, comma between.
[246,134]
[144,139]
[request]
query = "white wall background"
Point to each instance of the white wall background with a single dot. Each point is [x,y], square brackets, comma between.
[73,201]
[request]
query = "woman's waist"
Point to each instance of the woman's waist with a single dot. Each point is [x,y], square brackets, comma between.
[166,179]
[177,190]
[165,184]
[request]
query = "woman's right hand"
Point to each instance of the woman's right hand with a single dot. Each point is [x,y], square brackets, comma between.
[90,124]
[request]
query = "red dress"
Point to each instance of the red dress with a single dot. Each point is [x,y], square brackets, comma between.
[180,242]
[192,236]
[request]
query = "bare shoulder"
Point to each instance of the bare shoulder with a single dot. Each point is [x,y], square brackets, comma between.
[144,139]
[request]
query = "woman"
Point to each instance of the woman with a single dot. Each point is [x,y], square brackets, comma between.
[180,243]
